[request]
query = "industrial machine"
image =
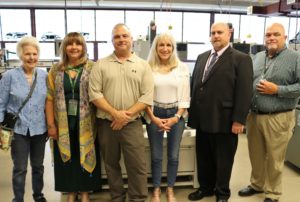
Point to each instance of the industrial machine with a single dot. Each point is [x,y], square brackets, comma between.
[187,168]
[293,150]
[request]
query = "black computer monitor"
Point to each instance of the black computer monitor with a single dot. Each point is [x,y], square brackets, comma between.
[243,47]
[257,48]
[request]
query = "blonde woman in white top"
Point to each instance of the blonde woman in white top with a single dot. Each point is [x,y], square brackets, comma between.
[171,99]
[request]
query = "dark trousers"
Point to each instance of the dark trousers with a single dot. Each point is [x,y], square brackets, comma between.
[131,142]
[22,148]
[215,156]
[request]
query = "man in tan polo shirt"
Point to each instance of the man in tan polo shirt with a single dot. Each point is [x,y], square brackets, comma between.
[121,86]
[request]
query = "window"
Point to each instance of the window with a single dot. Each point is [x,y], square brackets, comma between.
[105,21]
[138,23]
[90,50]
[294,28]
[169,22]
[196,27]
[16,29]
[11,49]
[82,21]
[47,51]
[55,26]
[247,31]
[105,49]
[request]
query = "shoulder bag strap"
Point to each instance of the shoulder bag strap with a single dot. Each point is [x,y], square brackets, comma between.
[29,95]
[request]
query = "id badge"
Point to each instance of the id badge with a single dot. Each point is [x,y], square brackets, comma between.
[72,107]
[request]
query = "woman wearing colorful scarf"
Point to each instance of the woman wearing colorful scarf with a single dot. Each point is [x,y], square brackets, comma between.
[70,120]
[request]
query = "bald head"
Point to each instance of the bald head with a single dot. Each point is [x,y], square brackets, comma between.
[222,25]
[277,26]
[275,38]
[219,35]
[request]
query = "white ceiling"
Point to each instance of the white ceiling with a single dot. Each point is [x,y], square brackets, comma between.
[234,5]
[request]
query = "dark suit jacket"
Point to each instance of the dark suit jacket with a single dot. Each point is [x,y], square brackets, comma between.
[225,96]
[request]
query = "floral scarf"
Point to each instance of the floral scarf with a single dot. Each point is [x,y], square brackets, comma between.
[86,117]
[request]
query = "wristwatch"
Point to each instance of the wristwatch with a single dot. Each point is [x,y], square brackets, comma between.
[178,116]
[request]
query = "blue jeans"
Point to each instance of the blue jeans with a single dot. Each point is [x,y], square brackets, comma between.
[22,148]
[156,144]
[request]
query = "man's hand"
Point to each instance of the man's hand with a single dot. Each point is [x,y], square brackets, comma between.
[267,87]
[237,128]
[120,119]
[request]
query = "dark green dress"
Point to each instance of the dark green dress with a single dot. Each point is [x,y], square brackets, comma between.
[70,176]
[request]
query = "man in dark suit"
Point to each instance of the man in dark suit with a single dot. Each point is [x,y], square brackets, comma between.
[221,96]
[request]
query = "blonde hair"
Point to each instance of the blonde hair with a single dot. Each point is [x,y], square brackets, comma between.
[27,41]
[70,38]
[153,58]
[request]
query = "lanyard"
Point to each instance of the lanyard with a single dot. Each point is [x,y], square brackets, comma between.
[271,62]
[267,65]
[73,82]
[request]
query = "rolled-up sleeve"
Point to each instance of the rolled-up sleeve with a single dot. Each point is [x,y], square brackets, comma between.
[147,87]
[95,82]
[183,92]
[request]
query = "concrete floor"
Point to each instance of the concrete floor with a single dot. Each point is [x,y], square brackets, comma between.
[240,178]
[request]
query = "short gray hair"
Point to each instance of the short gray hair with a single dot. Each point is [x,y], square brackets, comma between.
[118,26]
[27,41]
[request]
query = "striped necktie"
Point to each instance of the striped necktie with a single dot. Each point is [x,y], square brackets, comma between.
[210,65]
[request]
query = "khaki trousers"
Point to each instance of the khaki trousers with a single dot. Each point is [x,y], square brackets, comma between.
[268,137]
[130,141]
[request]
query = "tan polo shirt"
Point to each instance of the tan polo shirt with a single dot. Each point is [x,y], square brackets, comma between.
[121,83]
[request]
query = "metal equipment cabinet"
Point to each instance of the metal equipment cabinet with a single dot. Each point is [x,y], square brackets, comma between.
[187,168]
[293,150]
